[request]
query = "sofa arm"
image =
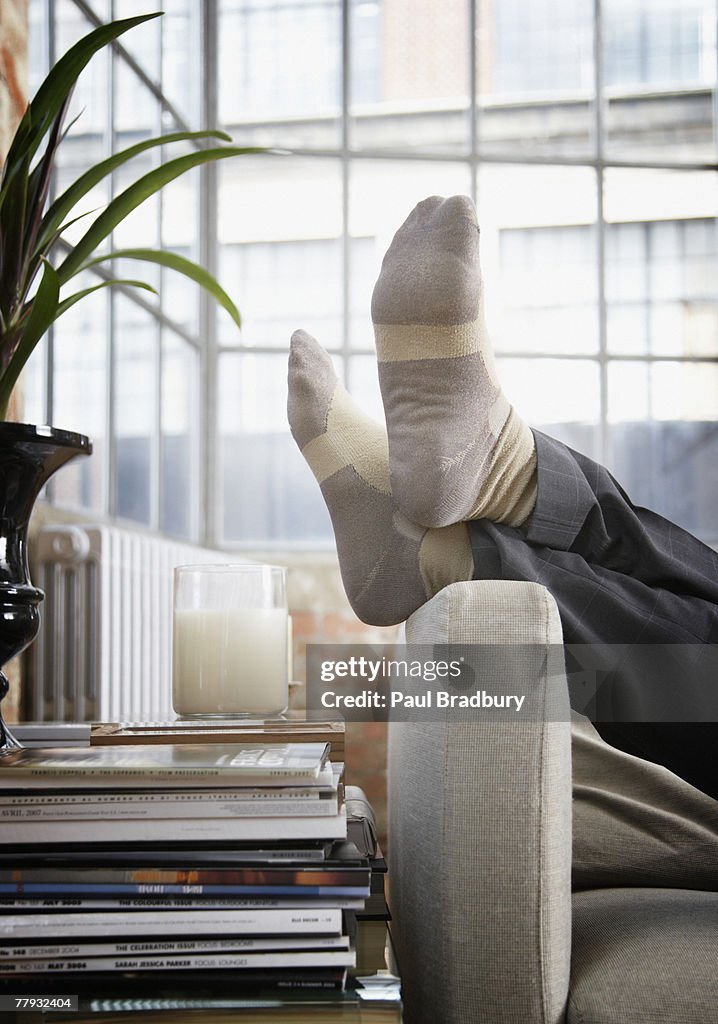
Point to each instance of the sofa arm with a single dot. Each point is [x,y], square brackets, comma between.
[480,826]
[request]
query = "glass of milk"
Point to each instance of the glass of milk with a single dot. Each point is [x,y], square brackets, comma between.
[230,633]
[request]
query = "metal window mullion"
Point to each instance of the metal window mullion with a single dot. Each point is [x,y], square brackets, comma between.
[49,397]
[503,353]
[345,184]
[156,481]
[714,73]
[208,530]
[600,231]
[474,133]
[495,156]
[715,106]
[110,480]
[648,285]
[157,441]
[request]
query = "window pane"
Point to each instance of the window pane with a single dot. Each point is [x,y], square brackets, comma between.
[410,75]
[659,73]
[662,270]
[280,71]
[180,231]
[141,228]
[86,141]
[37,44]
[136,389]
[179,468]
[268,492]
[538,255]
[559,396]
[89,97]
[182,57]
[664,439]
[535,76]
[280,227]
[363,383]
[136,108]
[33,383]
[79,396]
[382,195]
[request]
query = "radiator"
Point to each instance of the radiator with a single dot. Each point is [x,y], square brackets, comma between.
[104,650]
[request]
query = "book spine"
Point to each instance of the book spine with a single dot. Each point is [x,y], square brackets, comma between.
[25,877]
[172,922]
[203,962]
[139,990]
[169,889]
[168,809]
[174,829]
[312,853]
[168,948]
[187,798]
[51,777]
[58,904]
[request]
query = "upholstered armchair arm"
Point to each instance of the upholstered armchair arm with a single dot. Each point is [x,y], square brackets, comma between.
[480,826]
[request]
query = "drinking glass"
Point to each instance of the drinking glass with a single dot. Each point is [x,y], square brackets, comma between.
[230,640]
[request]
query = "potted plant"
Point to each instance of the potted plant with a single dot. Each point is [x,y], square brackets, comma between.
[36,289]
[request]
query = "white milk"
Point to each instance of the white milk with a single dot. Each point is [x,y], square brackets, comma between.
[232,661]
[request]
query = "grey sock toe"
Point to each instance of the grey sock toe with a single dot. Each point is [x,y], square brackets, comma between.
[453,436]
[430,273]
[313,380]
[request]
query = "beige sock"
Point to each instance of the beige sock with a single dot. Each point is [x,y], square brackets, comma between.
[389,565]
[457,448]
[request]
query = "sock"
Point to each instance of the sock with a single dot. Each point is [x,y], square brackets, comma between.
[389,565]
[457,448]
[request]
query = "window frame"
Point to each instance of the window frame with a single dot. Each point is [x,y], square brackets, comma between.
[600,161]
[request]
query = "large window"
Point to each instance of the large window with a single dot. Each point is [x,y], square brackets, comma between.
[585,132]
[125,367]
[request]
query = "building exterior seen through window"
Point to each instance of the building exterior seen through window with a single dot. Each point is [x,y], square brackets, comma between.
[584,131]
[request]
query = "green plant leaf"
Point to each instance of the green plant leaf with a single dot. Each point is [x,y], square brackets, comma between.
[42,312]
[12,234]
[72,299]
[180,264]
[55,89]
[39,182]
[146,186]
[55,215]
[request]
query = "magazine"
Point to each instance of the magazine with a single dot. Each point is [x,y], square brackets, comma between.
[180,765]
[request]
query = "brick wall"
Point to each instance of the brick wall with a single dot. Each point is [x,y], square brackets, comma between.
[425,50]
[13,67]
[13,88]
[13,84]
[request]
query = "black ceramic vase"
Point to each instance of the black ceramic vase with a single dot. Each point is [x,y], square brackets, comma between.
[29,456]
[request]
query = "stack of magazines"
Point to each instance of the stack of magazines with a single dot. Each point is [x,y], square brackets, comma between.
[176,870]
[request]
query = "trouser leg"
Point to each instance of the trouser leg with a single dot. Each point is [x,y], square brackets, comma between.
[622,575]
[635,823]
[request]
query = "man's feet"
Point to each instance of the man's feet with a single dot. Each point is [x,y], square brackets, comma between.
[457,448]
[389,565]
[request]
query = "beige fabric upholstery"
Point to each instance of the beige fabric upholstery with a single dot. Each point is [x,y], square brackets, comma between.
[480,881]
[645,956]
[480,847]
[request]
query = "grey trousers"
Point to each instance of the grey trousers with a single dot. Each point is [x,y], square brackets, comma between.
[638,598]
